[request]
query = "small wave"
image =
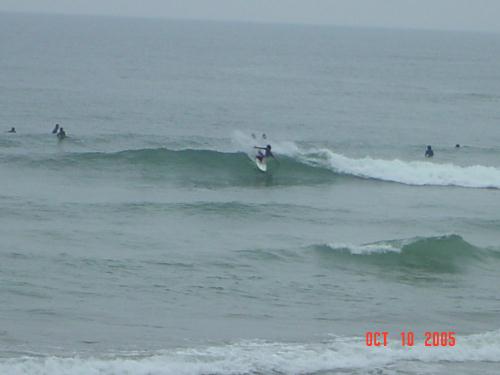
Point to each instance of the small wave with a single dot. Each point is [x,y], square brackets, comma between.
[433,254]
[447,243]
[345,354]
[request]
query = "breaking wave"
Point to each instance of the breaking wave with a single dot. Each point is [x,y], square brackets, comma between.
[412,172]
[448,253]
[294,166]
[348,355]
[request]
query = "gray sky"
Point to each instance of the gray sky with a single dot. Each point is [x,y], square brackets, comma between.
[433,14]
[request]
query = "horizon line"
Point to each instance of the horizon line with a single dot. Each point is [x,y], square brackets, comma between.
[253,21]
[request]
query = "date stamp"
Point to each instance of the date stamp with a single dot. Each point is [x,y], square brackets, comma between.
[430,339]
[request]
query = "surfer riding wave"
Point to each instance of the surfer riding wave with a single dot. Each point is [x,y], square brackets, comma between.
[266,154]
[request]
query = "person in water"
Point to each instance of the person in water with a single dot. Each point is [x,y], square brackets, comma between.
[429,153]
[61,134]
[56,129]
[12,130]
[266,154]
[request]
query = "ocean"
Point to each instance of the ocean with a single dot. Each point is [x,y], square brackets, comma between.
[147,242]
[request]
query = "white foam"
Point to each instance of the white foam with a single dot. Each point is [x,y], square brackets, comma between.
[405,172]
[248,357]
[408,172]
[373,248]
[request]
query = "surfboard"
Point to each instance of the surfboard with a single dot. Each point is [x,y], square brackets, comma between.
[262,165]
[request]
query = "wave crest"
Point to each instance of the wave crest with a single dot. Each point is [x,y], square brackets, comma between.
[448,253]
[295,166]
[409,172]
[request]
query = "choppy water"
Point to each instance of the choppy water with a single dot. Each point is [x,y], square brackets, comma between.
[148,243]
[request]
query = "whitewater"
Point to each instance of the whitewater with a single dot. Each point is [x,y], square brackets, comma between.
[250,357]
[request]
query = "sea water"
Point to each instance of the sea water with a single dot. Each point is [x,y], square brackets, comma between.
[147,242]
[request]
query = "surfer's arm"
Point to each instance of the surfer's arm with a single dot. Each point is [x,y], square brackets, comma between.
[260,148]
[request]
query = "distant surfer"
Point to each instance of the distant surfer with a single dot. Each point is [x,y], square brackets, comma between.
[429,153]
[12,130]
[457,145]
[264,136]
[267,152]
[61,134]
[56,129]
